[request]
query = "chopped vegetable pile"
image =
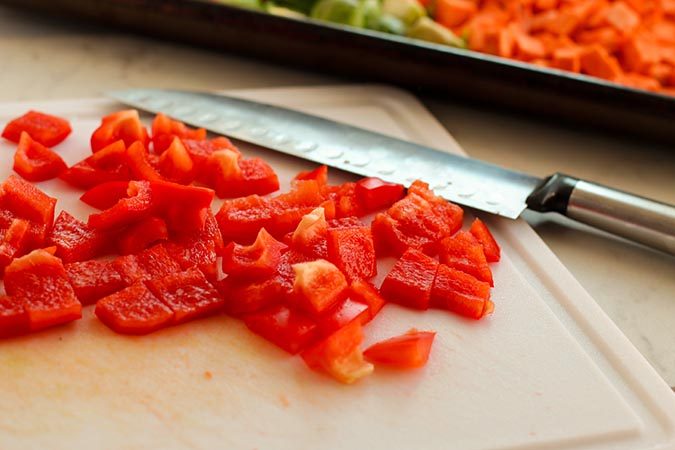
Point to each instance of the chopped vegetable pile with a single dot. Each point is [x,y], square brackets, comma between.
[295,267]
[631,42]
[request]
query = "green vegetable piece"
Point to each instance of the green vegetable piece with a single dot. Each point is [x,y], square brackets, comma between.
[284,12]
[388,24]
[347,12]
[408,11]
[428,30]
[250,4]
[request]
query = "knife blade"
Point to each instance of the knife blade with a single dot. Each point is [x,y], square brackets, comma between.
[462,180]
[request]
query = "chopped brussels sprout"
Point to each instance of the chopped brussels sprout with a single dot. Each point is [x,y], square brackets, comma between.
[428,30]
[408,11]
[347,12]
[283,12]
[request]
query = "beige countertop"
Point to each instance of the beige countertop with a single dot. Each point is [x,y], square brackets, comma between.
[45,59]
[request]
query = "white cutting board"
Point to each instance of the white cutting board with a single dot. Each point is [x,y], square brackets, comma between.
[547,370]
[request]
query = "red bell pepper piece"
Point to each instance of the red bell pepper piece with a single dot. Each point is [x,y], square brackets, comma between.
[463,252]
[93,279]
[149,264]
[341,315]
[320,175]
[107,165]
[188,294]
[35,162]
[287,328]
[76,241]
[353,252]
[339,355]
[13,317]
[309,236]
[346,201]
[461,293]
[192,252]
[200,151]
[410,281]
[141,235]
[134,310]
[125,125]
[364,292]
[138,205]
[20,199]
[175,163]
[241,218]
[46,129]
[345,222]
[247,297]
[139,163]
[374,193]
[420,220]
[14,242]
[318,286]
[39,280]
[408,351]
[105,195]
[232,176]
[490,247]
[25,200]
[164,130]
[257,261]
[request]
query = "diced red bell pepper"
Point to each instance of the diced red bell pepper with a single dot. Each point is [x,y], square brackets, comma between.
[247,297]
[14,242]
[341,315]
[13,317]
[408,351]
[105,195]
[463,252]
[347,202]
[46,129]
[345,222]
[76,241]
[286,328]
[107,165]
[141,235]
[410,281]
[320,175]
[187,294]
[241,218]
[232,176]
[125,125]
[195,252]
[40,281]
[318,286]
[374,194]
[134,310]
[138,205]
[461,293]
[364,292]
[139,164]
[185,208]
[175,164]
[254,262]
[353,252]
[35,162]
[149,264]
[490,247]
[200,151]
[93,279]
[26,201]
[339,355]
[420,220]
[164,130]
[309,236]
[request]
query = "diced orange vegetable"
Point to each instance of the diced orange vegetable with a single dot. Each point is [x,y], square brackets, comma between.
[452,13]
[596,61]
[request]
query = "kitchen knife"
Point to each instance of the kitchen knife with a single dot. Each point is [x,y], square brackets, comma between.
[457,178]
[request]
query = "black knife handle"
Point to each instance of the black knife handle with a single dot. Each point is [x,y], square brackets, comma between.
[633,217]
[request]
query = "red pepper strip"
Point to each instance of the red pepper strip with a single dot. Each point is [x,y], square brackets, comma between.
[46,129]
[35,162]
[408,351]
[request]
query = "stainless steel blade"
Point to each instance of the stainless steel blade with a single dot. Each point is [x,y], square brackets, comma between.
[459,179]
